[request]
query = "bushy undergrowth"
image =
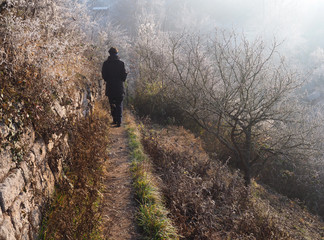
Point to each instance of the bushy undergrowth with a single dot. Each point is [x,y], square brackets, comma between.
[206,199]
[297,179]
[149,101]
[152,215]
[222,88]
[74,212]
[42,65]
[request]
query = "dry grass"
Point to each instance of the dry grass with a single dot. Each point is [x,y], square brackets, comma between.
[297,221]
[152,215]
[208,201]
[74,212]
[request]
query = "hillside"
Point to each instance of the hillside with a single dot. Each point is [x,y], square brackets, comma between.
[216,141]
[209,201]
[204,199]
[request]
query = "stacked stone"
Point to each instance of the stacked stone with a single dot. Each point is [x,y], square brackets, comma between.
[27,185]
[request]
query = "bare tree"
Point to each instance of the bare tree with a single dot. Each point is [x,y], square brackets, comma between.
[244,94]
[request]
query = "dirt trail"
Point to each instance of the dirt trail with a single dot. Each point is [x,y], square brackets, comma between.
[119,206]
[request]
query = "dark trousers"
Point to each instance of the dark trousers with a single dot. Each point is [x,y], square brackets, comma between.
[116,108]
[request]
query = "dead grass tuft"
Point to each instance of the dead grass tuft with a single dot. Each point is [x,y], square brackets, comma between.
[152,215]
[74,212]
[205,198]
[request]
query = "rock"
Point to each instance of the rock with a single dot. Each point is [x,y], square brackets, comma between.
[77,99]
[39,149]
[66,140]
[38,183]
[1,216]
[85,103]
[31,158]
[4,130]
[85,107]
[36,217]
[25,170]
[20,210]
[11,188]
[58,170]
[26,185]
[55,137]
[48,182]
[25,233]
[6,163]
[28,138]
[41,167]
[60,110]
[44,181]
[7,230]
[50,145]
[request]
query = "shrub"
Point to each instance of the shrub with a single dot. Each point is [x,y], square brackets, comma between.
[206,199]
[74,212]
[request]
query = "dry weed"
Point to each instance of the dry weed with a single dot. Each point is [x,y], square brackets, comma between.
[74,212]
[206,199]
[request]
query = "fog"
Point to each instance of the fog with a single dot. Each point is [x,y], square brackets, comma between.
[297,24]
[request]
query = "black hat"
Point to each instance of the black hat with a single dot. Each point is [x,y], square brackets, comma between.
[113,50]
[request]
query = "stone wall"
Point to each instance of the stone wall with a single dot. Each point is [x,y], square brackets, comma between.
[27,182]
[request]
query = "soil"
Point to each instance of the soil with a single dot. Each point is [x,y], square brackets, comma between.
[119,206]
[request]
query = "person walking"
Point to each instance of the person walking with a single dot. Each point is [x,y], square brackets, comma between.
[114,74]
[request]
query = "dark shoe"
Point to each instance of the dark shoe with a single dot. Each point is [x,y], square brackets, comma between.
[118,125]
[113,123]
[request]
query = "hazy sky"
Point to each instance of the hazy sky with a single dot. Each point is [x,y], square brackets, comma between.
[300,23]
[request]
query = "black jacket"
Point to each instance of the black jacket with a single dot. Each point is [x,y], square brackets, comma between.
[114,74]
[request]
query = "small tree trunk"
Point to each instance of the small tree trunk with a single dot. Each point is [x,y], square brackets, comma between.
[247,176]
[247,155]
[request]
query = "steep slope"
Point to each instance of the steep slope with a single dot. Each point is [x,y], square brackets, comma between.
[48,83]
[209,201]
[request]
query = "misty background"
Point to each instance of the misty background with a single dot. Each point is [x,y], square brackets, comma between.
[296,24]
[210,67]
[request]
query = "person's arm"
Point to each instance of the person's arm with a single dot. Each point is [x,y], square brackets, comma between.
[104,72]
[124,73]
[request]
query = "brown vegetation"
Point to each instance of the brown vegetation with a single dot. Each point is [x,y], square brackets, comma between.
[36,70]
[208,201]
[152,215]
[74,212]
[242,98]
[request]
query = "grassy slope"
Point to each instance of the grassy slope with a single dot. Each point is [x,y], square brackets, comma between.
[152,215]
[204,199]
[208,201]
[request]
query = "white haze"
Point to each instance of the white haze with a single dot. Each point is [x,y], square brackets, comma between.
[298,23]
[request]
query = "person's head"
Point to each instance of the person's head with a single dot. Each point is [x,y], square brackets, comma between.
[113,51]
